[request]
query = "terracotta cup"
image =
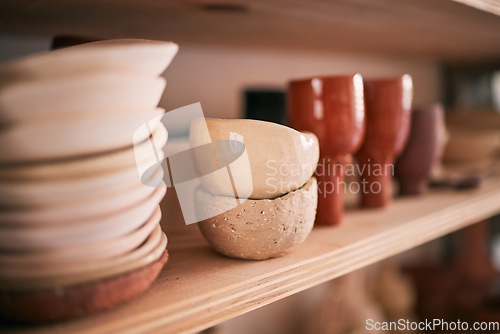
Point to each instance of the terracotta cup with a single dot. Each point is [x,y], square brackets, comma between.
[388,110]
[332,108]
[423,150]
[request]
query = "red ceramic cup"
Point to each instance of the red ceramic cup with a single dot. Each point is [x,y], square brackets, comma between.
[388,110]
[424,149]
[333,109]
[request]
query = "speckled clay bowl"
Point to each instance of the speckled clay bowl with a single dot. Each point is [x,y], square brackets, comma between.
[258,229]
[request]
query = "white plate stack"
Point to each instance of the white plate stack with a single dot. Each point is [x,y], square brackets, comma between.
[81,146]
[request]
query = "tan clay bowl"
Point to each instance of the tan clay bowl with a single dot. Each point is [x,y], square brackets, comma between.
[148,150]
[61,139]
[50,193]
[471,146]
[258,229]
[269,159]
[134,56]
[88,96]
[84,252]
[116,224]
[33,278]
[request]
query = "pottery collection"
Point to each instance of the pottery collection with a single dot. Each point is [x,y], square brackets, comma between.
[82,170]
[76,209]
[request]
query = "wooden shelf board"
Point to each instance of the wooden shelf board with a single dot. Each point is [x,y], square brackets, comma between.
[436,29]
[199,288]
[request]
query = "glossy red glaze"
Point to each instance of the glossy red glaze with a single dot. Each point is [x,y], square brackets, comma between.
[388,109]
[333,109]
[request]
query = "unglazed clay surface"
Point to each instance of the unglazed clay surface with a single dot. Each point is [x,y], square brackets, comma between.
[258,229]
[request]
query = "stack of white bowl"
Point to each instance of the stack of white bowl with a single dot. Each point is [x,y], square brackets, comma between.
[74,207]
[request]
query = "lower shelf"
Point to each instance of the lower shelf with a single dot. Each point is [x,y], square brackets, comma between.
[199,288]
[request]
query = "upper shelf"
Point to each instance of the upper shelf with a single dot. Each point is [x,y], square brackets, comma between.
[199,288]
[435,29]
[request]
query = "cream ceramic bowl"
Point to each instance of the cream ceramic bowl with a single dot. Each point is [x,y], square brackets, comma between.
[89,96]
[92,230]
[49,193]
[134,56]
[83,252]
[69,138]
[13,277]
[266,160]
[81,210]
[148,150]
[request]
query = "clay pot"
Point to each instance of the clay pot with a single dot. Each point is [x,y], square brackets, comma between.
[388,110]
[332,108]
[424,149]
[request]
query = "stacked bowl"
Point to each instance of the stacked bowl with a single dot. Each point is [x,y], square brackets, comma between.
[79,219]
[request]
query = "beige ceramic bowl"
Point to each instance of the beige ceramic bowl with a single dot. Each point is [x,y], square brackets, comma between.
[22,238]
[148,150]
[266,160]
[258,229]
[21,277]
[81,210]
[50,193]
[88,96]
[134,56]
[61,139]
[472,147]
[83,252]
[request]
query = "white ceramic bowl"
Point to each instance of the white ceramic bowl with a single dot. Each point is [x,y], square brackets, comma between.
[83,252]
[82,210]
[56,193]
[84,271]
[71,138]
[138,56]
[87,96]
[21,238]
[148,150]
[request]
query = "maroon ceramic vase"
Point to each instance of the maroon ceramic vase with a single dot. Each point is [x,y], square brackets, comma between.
[424,149]
[333,109]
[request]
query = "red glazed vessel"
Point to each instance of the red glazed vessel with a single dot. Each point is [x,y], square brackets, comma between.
[424,149]
[388,110]
[333,109]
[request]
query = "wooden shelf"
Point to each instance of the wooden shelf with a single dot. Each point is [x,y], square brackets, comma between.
[199,288]
[436,29]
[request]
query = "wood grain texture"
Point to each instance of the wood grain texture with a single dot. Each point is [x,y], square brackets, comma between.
[434,29]
[199,288]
